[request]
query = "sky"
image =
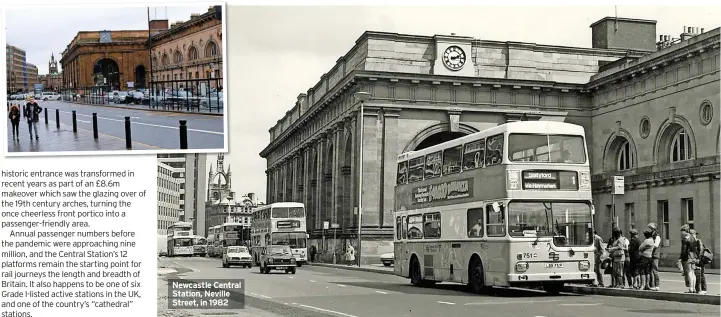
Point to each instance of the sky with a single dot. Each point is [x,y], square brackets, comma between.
[53,28]
[276,53]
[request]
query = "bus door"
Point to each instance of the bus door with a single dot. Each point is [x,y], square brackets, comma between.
[400,252]
[498,253]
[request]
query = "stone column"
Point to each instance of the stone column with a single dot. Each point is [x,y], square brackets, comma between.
[281,181]
[317,201]
[353,194]
[267,185]
[306,192]
[388,166]
[372,134]
[336,181]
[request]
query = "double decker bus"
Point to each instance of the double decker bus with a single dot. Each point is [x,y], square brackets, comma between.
[200,245]
[212,240]
[229,234]
[280,224]
[509,206]
[180,239]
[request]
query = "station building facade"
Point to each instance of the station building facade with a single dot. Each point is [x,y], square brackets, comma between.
[647,107]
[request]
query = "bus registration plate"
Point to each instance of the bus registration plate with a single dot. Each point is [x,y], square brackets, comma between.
[281,267]
[554,265]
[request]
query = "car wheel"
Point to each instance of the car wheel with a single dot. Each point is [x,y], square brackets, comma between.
[292,271]
[225,265]
[386,264]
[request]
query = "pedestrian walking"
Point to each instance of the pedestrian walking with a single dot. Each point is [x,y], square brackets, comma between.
[619,258]
[14,116]
[700,271]
[32,114]
[645,260]
[350,255]
[632,276]
[656,255]
[688,258]
[598,253]
[312,253]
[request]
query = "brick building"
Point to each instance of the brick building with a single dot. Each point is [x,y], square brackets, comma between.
[188,50]
[620,85]
[112,58]
[21,75]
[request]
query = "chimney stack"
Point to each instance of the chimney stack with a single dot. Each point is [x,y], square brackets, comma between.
[303,103]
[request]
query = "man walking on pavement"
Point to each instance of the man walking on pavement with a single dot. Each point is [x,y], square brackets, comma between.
[32,113]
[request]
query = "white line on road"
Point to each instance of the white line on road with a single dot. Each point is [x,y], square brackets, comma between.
[581,304]
[151,125]
[266,297]
[447,303]
[381,292]
[122,116]
[341,285]
[326,310]
[513,302]
[290,277]
[83,121]
[312,281]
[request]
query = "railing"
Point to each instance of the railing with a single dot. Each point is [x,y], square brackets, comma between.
[198,95]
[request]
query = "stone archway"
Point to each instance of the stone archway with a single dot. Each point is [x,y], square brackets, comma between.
[106,72]
[140,77]
[437,134]
[666,132]
[613,147]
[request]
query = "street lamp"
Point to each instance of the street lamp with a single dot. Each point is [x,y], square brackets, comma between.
[362,96]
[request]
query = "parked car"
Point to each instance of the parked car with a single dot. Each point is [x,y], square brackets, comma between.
[277,257]
[119,96]
[387,258]
[214,99]
[236,255]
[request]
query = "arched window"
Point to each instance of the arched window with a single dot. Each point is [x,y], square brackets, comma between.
[192,53]
[625,157]
[166,60]
[211,50]
[680,147]
[178,58]
[155,61]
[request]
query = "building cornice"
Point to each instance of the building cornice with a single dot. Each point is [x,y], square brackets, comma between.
[208,16]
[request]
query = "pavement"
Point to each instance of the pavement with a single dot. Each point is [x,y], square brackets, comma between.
[152,129]
[53,139]
[325,291]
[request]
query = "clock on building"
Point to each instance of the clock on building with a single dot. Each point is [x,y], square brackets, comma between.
[454,58]
[216,195]
[105,37]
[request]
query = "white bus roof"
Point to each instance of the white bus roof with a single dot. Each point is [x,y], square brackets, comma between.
[531,127]
[231,224]
[277,205]
[182,224]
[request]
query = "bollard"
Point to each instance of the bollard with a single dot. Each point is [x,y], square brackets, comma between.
[183,135]
[46,117]
[75,122]
[57,118]
[128,139]
[95,125]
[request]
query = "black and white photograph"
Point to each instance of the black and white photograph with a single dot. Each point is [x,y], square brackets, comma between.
[110,78]
[457,161]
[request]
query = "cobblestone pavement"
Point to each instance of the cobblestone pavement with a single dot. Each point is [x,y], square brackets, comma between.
[53,139]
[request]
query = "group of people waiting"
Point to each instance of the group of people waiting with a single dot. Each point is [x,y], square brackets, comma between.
[633,262]
[31,112]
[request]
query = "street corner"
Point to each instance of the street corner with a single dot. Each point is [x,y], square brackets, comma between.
[630,293]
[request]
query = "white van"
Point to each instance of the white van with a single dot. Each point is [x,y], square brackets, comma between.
[50,96]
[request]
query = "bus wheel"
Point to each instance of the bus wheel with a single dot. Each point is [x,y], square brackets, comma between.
[553,288]
[476,278]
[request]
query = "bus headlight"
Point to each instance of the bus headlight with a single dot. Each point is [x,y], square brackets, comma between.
[522,267]
[292,260]
[584,265]
[270,260]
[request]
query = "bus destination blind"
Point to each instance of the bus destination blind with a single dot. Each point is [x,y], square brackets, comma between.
[544,179]
[287,224]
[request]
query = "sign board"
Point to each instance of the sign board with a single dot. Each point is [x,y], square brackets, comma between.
[542,179]
[618,185]
[335,226]
[131,84]
[326,225]
[287,224]
[462,188]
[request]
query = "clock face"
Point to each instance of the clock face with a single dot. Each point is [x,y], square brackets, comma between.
[454,58]
[216,195]
[105,37]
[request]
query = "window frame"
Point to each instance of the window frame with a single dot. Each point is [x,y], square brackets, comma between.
[403,181]
[489,209]
[420,216]
[688,211]
[433,216]
[481,150]
[488,150]
[421,165]
[625,155]
[481,212]
[433,174]
[678,137]
[445,170]
[398,227]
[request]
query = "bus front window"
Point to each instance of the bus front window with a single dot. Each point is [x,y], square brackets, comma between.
[184,242]
[279,212]
[553,148]
[296,212]
[293,239]
[567,222]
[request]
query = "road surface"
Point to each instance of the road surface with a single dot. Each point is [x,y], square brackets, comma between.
[153,129]
[321,291]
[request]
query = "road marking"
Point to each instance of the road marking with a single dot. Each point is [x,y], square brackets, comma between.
[312,281]
[581,304]
[290,277]
[152,125]
[514,302]
[326,310]
[266,297]
[83,121]
[381,292]
[341,285]
[122,116]
[447,303]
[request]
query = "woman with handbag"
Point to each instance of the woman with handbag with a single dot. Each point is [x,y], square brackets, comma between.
[618,254]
